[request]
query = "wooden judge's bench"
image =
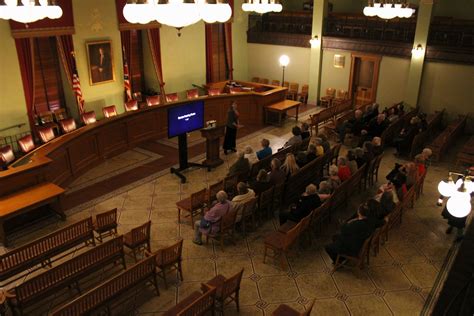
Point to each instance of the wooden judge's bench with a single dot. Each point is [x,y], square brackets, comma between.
[67,157]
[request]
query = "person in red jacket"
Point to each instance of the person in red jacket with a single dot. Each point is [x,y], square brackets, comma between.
[344,172]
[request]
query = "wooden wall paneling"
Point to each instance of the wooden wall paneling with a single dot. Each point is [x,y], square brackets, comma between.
[161,123]
[112,139]
[84,154]
[141,128]
[60,169]
[22,180]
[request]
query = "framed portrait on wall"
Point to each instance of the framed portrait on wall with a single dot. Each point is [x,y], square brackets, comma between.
[339,61]
[100,62]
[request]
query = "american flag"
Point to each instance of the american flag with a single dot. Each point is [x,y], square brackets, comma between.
[76,87]
[126,79]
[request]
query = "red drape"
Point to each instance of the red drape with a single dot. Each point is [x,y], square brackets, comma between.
[209,53]
[155,49]
[65,47]
[228,48]
[25,52]
[126,37]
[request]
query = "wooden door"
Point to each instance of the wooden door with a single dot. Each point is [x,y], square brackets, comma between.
[364,78]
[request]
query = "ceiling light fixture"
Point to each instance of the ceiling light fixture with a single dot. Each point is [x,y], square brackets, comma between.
[27,11]
[262,6]
[459,194]
[388,9]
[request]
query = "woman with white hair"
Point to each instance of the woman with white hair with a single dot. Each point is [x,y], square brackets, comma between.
[377,147]
[250,155]
[308,201]
[211,216]
[334,180]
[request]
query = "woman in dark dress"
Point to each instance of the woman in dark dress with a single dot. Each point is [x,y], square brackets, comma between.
[231,128]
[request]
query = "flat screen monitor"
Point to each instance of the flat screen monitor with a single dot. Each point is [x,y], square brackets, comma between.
[185,118]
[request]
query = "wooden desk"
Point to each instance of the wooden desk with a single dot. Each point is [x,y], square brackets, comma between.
[27,200]
[281,108]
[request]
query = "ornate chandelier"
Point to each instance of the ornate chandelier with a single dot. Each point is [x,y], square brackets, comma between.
[177,13]
[459,193]
[28,11]
[386,9]
[262,6]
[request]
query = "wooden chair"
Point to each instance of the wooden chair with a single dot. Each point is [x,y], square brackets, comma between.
[47,120]
[305,224]
[6,155]
[303,95]
[67,125]
[278,194]
[375,172]
[213,91]
[292,92]
[248,213]
[265,204]
[26,144]
[280,244]
[275,82]
[326,101]
[359,261]
[138,239]
[172,97]
[256,79]
[88,117]
[230,185]
[227,290]
[376,239]
[213,189]
[59,114]
[226,229]
[285,310]
[195,304]
[137,96]
[131,106]
[106,224]
[264,80]
[169,259]
[341,96]
[192,94]
[192,205]
[286,84]
[46,134]
[153,100]
[109,111]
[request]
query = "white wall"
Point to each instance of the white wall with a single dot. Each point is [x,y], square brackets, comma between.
[263,62]
[393,76]
[332,77]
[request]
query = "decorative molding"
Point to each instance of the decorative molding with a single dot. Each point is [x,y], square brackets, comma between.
[274,38]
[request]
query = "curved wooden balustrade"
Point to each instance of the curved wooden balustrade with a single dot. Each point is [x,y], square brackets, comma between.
[66,157]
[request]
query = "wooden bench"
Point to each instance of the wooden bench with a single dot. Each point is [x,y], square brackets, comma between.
[466,155]
[195,304]
[447,137]
[421,140]
[281,108]
[102,295]
[320,118]
[29,199]
[40,251]
[395,127]
[36,289]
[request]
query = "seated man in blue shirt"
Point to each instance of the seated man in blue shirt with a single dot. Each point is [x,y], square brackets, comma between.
[266,149]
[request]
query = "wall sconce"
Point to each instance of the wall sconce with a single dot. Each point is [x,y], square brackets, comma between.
[418,51]
[315,41]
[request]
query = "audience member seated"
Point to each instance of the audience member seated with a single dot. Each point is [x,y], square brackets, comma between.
[375,128]
[404,139]
[351,161]
[386,204]
[290,167]
[359,156]
[276,175]
[301,159]
[311,153]
[368,151]
[296,138]
[210,217]
[420,164]
[423,124]
[371,112]
[241,166]
[261,182]
[344,172]
[305,131]
[250,155]
[238,202]
[308,201]
[377,147]
[325,143]
[391,114]
[324,190]
[353,126]
[334,180]
[352,236]
[318,143]
[411,172]
[426,153]
[266,149]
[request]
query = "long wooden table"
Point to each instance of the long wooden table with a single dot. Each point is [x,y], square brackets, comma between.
[281,108]
[65,158]
[29,199]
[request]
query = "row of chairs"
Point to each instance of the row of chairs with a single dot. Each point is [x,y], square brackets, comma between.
[293,92]
[333,97]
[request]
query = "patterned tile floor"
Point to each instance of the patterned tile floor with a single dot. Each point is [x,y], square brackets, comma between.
[397,282]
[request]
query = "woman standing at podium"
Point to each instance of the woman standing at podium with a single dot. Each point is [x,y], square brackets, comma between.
[231,128]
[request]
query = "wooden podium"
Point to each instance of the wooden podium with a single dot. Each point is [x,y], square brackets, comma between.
[212,136]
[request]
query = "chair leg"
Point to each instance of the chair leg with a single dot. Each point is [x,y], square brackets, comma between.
[237,303]
[164,278]
[180,271]
[179,215]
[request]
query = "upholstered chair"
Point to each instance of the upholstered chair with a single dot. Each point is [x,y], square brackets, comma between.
[88,117]
[109,111]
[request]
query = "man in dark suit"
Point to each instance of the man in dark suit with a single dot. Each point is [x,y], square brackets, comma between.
[104,65]
[308,201]
[353,234]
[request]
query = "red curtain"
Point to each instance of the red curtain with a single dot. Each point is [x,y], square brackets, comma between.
[65,47]
[209,53]
[228,48]
[126,37]
[24,49]
[155,48]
